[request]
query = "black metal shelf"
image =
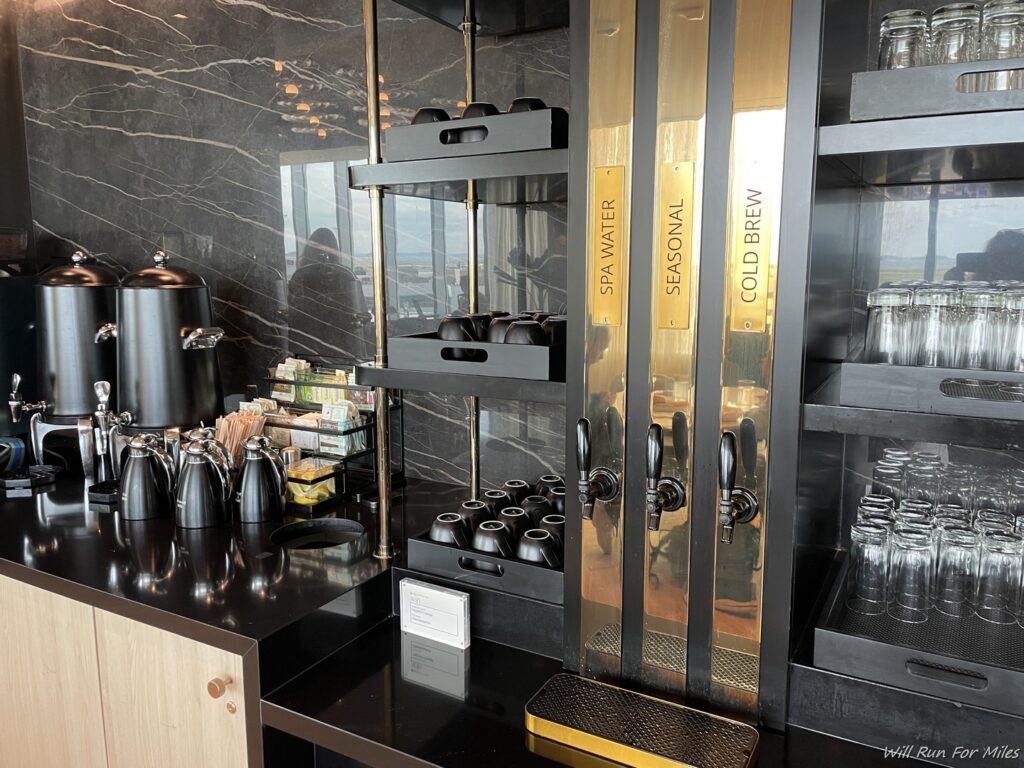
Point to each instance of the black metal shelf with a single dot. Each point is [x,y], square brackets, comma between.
[823,411]
[463,384]
[903,425]
[941,148]
[496,17]
[538,176]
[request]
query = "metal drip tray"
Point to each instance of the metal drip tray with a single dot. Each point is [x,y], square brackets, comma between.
[634,729]
[728,667]
[965,659]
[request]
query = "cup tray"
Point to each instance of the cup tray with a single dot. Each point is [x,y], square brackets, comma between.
[495,134]
[426,352]
[514,576]
[965,659]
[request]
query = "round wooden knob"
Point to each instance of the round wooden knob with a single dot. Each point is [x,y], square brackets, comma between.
[218,686]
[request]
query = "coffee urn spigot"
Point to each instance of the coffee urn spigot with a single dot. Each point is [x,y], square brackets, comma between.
[664,494]
[735,505]
[17,403]
[600,484]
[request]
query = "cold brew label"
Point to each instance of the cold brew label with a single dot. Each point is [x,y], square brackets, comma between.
[606,259]
[674,244]
[751,251]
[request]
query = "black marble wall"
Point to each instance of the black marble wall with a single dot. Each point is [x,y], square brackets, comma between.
[221,131]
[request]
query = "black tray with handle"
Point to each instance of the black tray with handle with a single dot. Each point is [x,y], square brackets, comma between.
[426,352]
[504,574]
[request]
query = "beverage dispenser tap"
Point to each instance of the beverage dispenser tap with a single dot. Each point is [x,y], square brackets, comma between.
[664,494]
[735,505]
[600,484]
[17,403]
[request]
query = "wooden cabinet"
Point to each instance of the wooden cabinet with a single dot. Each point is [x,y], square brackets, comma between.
[168,701]
[50,714]
[87,688]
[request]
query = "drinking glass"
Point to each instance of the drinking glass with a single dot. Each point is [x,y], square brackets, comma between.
[916,505]
[1015,497]
[1013,331]
[908,515]
[900,455]
[993,526]
[887,338]
[934,318]
[927,457]
[904,40]
[978,346]
[990,493]
[956,574]
[953,510]
[999,577]
[887,481]
[955,30]
[995,516]
[865,510]
[910,576]
[1002,37]
[869,558]
[956,488]
[878,499]
[922,484]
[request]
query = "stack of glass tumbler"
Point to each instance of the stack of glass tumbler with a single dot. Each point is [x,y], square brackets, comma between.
[956,33]
[951,324]
[936,537]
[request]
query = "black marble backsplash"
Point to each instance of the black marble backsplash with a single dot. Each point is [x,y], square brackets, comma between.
[221,132]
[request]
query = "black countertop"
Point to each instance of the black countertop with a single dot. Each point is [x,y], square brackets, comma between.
[229,587]
[389,699]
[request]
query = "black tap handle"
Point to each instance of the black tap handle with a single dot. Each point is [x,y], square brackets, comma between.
[727,464]
[654,449]
[583,447]
[681,441]
[748,449]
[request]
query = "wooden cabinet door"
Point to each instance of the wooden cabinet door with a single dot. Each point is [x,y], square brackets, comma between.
[157,707]
[50,714]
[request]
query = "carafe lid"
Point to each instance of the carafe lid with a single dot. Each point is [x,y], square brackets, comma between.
[256,443]
[160,275]
[82,271]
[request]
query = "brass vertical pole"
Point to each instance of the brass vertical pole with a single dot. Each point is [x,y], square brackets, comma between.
[382,408]
[469,44]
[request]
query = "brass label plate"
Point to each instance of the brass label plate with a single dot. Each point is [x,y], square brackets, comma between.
[675,244]
[752,202]
[607,262]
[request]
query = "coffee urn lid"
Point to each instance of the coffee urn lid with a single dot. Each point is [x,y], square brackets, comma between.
[160,275]
[82,271]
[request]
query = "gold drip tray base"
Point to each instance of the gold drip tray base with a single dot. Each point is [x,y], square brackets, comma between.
[636,730]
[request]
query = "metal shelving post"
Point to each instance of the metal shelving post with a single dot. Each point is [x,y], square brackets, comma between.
[384,550]
[469,28]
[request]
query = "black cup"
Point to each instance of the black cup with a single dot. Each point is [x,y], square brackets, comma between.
[473,513]
[526,104]
[449,528]
[555,525]
[492,538]
[546,482]
[526,332]
[429,115]
[557,498]
[539,546]
[496,313]
[555,327]
[498,328]
[458,328]
[536,507]
[479,109]
[497,500]
[517,520]
[517,490]
[481,322]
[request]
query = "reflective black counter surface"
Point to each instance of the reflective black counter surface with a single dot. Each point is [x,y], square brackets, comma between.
[230,587]
[394,700]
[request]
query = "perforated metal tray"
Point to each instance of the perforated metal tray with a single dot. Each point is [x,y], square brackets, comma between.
[634,729]
[962,659]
